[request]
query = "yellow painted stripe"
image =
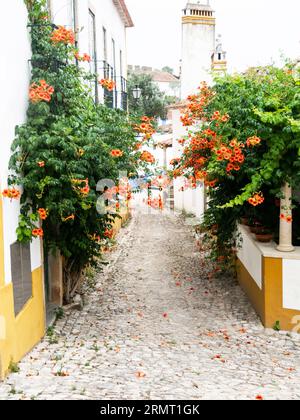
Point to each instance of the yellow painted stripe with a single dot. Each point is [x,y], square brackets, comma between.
[21,333]
[1,244]
[268,301]
[275,311]
[199,20]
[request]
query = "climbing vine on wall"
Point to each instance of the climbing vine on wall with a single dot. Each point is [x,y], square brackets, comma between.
[66,146]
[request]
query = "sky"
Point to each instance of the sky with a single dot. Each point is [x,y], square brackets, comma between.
[254,32]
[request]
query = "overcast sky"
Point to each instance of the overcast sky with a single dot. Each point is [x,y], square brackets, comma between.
[254,31]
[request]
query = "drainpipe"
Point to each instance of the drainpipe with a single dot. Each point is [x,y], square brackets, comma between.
[285,233]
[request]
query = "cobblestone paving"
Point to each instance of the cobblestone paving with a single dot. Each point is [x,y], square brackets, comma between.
[156,327]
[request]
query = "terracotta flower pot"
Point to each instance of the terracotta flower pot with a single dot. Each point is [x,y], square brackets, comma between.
[264,237]
[256,229]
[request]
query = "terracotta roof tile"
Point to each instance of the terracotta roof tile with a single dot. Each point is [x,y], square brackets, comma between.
[156,75]
[162,76]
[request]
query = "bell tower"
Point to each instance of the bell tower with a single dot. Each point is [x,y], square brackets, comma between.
[219,62]
[198,45]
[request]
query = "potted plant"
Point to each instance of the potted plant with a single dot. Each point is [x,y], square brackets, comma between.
[256,227]
[264,235]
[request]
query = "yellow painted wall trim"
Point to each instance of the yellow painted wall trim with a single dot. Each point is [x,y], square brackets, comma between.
[18,335]
[268,301]
[118,223]
[273,278]
[23,332]
[198,20]
[218,63]
[2,279]
[209,18]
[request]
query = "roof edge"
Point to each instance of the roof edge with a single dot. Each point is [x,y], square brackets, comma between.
[178,105]
[124,13]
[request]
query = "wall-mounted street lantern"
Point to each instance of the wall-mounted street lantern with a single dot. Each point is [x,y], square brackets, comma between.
[137,93]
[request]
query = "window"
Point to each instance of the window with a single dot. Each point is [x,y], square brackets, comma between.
[104,44]
[92,36]
[71,6]
[93,50]
[123,86]
[121,63]
[113,50]
[21,275]
[114,61]
[74,15]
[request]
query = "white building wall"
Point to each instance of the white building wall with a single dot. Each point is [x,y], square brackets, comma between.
[61,12]
[198,42]
[15,81]
[251,257]
[163,157]
[178,132]
[169,88]
[14,86]
[106,16]
[191,200]
[291,284]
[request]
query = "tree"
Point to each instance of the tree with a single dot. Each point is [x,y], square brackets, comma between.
[168,69]
[244,144]
[152,103]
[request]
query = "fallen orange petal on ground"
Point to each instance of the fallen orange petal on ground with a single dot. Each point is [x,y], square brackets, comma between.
[140,375]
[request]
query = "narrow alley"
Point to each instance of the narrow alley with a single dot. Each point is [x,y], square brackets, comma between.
[157,327]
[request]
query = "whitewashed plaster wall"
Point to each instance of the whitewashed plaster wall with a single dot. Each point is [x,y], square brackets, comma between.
[190,200]
[106,16]
[291,284]
[14,85]
[169,88]
[198,42]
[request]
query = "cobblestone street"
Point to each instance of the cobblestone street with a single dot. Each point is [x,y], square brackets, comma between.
[156,327]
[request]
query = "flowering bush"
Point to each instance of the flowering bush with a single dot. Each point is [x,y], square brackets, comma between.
[145,128]
[256,200]
[62,152]
[242,142]
[84,57]
[147,157]
[116,153]
[12,193]
[40,92]
[63,35]
[108,84]
[43,214]
[38,233]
